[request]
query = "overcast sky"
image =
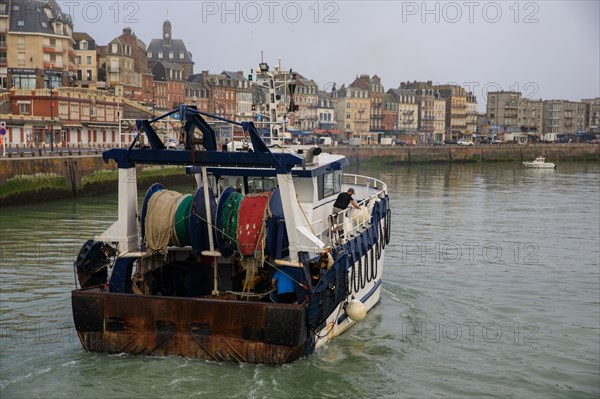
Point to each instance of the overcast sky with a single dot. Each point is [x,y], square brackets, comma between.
[546,49]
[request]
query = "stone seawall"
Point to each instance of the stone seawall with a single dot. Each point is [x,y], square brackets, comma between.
[75,170]
[72,168]
[454,153]
[29,180]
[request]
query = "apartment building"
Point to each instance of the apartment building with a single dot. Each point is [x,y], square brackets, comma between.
[243,95]
[564,117]
[408,109]
[456,110]
[86,59]
[353,113]
[39,45]
[439,119]
[376,95]
[593,115]
[530,115]
[502,109]
[306,98]
[326,112]
[471,117]
[4,24]
[390,113]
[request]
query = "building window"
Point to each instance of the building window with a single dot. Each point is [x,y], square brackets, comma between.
[114,48]
[89,74]
[79,61]
[170,55]
[24,108]
[149,54]
[21,43]
[181,55]
[21,58]
[24,81]
[88,59]
[83,45]
[2,57]
[160,55]
[20,23]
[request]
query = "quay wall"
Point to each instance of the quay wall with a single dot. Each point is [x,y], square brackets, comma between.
[455,153]
[26,180]
[74,175]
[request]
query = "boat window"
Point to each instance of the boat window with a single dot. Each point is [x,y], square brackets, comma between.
[337,181]
[261,184]
[328,184]
[236,182]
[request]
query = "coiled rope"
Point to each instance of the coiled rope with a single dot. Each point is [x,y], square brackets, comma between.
[160,232]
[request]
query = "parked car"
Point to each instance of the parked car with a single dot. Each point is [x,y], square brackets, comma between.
[399,142]
[450,142]
[594,141]
[437,143]
[497,141]
[464,142]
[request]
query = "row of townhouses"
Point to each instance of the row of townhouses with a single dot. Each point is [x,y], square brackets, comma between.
[510,112]
[60,86]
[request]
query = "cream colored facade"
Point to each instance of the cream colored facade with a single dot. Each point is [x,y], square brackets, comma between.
[353,113]
[86,59]
[439,119]
[471,116]
[39,38]
[119,64]
[50,52]
[408,113]
[456,116]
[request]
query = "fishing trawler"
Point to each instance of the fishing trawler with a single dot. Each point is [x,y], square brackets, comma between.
[192,274]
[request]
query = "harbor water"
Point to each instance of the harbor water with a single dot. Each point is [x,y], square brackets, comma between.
[491,289]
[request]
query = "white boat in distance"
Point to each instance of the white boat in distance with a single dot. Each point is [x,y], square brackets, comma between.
[540,163]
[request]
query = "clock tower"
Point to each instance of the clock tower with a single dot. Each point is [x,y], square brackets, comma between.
[167,33]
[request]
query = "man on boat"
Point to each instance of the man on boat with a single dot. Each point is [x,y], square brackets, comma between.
[342,202]
[286,290]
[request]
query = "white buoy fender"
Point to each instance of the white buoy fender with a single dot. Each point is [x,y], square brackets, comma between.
[356,310]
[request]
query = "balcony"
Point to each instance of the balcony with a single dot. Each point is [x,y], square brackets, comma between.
[51,49]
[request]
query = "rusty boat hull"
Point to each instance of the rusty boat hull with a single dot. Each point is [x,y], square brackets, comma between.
[203,328]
